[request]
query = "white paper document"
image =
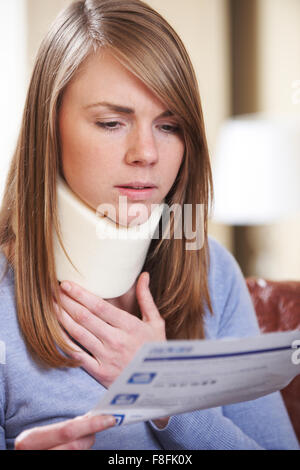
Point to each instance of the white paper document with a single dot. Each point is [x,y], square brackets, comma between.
[173,377]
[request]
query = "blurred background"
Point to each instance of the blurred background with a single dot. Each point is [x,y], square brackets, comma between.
[247,58]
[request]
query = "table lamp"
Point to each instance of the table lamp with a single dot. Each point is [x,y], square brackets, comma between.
[256,172]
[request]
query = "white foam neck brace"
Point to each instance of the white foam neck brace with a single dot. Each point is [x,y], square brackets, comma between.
[108,258]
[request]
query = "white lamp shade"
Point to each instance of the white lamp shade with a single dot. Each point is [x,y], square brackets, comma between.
[256,169]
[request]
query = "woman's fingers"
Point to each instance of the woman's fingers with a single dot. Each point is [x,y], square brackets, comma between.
[95,365]
[61,434]
[81,444]
[111,315]
[147,305]
[111,347]
[83,316]
[80,333]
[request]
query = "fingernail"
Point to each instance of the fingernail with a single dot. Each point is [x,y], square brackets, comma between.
[66,286]
[109,421]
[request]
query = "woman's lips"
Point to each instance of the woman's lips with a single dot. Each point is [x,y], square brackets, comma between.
[136,194]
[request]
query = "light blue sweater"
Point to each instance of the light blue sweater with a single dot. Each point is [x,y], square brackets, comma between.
[31,395]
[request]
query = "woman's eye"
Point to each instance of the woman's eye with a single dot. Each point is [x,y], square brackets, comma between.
[112,126]
[109,126]
[170,129]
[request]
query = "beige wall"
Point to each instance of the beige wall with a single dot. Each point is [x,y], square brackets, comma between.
[40,14]
[278,54]
[12,80]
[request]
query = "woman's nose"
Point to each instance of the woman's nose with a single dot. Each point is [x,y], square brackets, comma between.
[142,147]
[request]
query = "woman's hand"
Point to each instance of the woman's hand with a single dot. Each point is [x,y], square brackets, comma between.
[74,434]
[112,336]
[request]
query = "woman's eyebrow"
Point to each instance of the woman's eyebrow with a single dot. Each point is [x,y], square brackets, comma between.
[123,109]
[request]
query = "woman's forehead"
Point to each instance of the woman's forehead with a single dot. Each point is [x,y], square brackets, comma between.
[102,78]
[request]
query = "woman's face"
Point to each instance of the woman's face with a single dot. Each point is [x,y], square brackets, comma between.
[114,132]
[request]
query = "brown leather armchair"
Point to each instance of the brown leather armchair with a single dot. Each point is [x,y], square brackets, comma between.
[277,306]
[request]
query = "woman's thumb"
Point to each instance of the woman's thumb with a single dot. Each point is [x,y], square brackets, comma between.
[144,297]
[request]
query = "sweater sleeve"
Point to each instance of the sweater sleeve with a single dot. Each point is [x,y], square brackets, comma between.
[258,424]
[2,415]
[2,439]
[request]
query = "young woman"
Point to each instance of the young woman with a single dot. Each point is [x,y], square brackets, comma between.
[114,102]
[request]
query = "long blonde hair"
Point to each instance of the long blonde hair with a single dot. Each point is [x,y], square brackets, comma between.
[148,46]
